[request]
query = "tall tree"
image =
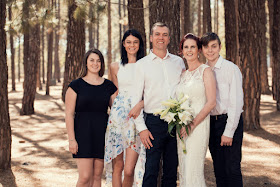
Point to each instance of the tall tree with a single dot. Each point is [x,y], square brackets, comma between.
[271,13]
[168,12]
[120,24]
[75,46]
[56,43]
[263,67]
[12,51]
[19,61]
[90,26]
[109,52]
[50,51]
[199,30]
[187,24]
[43,51]
[231,31]
[5,128]
[30,66]
[207,27]
[136,17]
[276,51]
[97,25]
[250,46]
[216,17]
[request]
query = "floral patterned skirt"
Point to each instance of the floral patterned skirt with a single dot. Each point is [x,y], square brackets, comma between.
[121,134]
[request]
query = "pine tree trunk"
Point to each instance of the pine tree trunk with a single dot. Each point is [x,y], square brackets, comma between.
[271,13]
[56,45]
[109,53]
[199,25]
[250,46]
[19,59]
[50,58]
[263,70]
[276,51]
[136,18]
[231,31]
[206,16]
[12,53]
[120,25]
[187,16]
[90,27]
[75,47]
[5,128]
[167,12]
[97,28]
[38,75]
[30,74]
[43,52]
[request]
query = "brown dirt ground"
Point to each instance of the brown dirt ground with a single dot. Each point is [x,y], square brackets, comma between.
[40,156]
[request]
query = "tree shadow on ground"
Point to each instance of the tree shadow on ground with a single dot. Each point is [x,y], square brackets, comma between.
[7,178]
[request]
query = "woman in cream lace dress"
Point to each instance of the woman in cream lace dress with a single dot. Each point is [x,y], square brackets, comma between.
[199,83]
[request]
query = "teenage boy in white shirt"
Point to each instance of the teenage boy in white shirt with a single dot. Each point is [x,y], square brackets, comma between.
[157,76]
[226,123]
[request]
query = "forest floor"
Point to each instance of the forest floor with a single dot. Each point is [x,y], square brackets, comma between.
[40,154]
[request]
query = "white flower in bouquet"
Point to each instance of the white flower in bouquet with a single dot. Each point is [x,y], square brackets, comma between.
[169,117]
[185,117]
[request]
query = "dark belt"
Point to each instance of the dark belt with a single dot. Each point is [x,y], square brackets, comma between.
[218,116]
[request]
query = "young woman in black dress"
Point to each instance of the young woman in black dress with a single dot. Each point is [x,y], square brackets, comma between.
[86,103]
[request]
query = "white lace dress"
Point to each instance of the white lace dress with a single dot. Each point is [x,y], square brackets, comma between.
[191,164]
[121,131]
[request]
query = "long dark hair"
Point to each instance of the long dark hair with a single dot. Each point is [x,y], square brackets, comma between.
[140,52]
[84,69]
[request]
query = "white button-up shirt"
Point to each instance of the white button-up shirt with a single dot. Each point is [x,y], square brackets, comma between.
[155,81]
[229,93]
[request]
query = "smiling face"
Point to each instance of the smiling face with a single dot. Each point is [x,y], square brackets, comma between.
[93,63]
[190,50]
[211,51]
[160,38]
[131,45]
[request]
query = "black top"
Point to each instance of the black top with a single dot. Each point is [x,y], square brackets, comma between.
[91,116]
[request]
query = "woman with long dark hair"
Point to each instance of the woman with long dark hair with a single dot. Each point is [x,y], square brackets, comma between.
[122,140]
[86,104]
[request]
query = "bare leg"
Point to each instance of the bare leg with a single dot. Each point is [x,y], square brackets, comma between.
[117,171]
[129,166]
[85,169]
[98,165]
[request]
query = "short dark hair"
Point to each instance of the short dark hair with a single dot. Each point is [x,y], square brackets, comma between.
[189,36]
[159,24]
[140,52]
[84,69]
[210,36]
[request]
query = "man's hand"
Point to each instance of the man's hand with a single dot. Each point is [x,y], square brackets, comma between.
[145,137]
[226,141]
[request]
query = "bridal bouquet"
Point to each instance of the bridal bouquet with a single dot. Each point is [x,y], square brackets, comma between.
[177,113]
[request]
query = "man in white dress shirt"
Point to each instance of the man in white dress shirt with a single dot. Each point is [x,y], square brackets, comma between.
[226,124]
[157,76]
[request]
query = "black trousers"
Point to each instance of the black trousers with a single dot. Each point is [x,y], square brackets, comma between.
[226,159]
[165,145]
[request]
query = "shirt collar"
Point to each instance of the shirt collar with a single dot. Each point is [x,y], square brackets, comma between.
[218,64]
[154,56]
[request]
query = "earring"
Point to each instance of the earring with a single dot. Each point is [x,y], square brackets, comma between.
[197,56]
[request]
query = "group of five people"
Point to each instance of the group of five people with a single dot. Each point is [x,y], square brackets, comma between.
[130,141]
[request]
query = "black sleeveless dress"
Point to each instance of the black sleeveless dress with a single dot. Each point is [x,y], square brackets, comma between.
[91,117]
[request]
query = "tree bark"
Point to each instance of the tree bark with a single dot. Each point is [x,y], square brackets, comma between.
[75,47]
[43,52]
[187,17]
[199,18]
[206,16]
[97,27]
[109,53]
[120,25]
[231,31]
[5,128]
[30,74]
[250,46]
[56,44]
[136,18]
[263,70]
[168,12]
[19,59]
[276,51]
[12,52]
[90,26]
